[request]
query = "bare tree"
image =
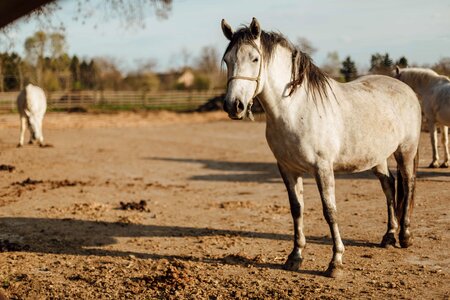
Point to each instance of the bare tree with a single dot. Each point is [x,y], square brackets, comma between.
[208,63]
[35,50]
[130,12]
[442,66]
[147,65]
[332,65]
[186,57]
[109,75]
[306,46]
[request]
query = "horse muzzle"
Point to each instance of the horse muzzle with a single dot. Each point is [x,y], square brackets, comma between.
[236,109]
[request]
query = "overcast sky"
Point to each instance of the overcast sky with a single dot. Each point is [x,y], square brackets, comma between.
[419,30]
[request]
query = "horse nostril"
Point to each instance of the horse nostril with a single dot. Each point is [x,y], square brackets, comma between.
[225,107]
[239,106]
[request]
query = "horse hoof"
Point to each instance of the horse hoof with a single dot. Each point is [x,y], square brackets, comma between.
[334,271]
[406,243]
[388,240]
[19,145]
[293,264]
[406,240]
[434,165]
[444,165]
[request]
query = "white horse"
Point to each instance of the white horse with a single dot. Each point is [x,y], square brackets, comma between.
[318,126]
[31,104]
[434,92]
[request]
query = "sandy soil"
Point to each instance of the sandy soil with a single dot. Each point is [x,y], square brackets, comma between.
[214,222]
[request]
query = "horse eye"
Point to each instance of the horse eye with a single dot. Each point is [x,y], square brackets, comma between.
[255,60]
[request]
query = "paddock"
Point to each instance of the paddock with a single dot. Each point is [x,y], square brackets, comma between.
[216,221]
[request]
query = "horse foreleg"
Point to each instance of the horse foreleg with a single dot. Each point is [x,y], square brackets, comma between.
[444,133]
[294,186]
[325,182]
[388,184]
[433,135]
[23,125]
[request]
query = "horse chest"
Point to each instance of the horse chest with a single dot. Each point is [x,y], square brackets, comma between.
[289,148]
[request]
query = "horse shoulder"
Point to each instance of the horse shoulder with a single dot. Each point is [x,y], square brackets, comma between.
[304,135]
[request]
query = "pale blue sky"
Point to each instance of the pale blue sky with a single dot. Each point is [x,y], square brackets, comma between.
[419,30]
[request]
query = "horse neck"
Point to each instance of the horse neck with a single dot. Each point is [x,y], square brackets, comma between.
[277,78]
[275,98]
[423,84]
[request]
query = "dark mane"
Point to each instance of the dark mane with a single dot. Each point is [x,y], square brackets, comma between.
[317,80]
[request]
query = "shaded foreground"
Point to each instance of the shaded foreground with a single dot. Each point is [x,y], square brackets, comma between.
[215,223]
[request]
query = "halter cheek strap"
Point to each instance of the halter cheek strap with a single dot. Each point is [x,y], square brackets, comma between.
[257,78]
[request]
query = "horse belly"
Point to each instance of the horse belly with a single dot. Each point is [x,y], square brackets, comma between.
[362,153]
[357,164]
[443,116]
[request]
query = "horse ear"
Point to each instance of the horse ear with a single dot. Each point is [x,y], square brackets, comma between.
[397,70]
[226,29]
[255,28]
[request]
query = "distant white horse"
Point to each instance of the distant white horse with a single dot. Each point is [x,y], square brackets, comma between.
[319,126]
[434,91]
[32,105]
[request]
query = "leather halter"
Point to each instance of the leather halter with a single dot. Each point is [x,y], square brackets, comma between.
[257,78]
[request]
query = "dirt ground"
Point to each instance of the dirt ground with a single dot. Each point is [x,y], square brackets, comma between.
[169,206]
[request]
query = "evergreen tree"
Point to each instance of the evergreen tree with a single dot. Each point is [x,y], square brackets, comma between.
[402,62]
[381,64]
[75,73]
[348,69]
[10,73]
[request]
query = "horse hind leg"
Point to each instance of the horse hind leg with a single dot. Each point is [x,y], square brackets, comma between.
[434,144]
[388,184]
[407,167]
[444,132]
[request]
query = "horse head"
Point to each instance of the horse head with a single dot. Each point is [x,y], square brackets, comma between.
[243,58]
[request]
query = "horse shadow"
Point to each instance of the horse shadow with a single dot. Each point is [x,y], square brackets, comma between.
[267,172]
[262,172]
[433,174]
[84,238]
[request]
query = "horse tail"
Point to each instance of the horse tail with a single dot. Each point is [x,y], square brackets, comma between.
[400,201]
[413,191]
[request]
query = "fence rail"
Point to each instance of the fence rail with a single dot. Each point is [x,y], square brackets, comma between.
[170,100]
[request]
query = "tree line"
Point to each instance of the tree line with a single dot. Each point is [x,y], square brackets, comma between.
[47,64]
[383,64]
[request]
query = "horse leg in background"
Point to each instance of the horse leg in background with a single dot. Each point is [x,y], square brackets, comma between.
[39,134]
[444,132]
[434,140]
[294,186]
[388,184]
[325,183]
[407,166]
[23,125]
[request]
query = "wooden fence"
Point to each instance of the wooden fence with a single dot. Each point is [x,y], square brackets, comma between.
[169,100]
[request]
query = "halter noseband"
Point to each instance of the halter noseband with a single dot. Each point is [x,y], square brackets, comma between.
[257,78]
